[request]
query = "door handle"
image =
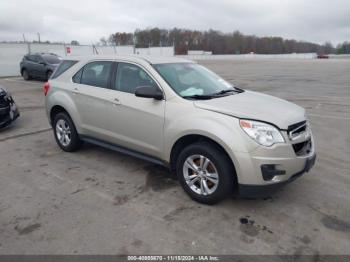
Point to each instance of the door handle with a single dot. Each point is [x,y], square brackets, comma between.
[116,101]
[75,91]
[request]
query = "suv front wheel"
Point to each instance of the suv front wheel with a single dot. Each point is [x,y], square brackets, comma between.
[205,172]
[65,133]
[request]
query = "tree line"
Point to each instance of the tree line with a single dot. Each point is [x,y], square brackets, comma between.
[219,42]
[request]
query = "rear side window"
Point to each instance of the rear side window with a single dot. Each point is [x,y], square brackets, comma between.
[63,67]
[51,59]
[96,74]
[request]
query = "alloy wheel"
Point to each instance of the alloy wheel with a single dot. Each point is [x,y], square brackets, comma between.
[201,174]
[63,132]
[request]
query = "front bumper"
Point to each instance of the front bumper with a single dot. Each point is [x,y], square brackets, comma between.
[263,170]
[8,115]
[265,190]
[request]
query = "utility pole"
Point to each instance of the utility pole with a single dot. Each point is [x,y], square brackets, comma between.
[134,43]
[39,37]
[174,49]
[94,49]
[161,49]
[28,44]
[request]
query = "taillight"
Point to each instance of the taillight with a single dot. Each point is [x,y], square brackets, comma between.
[46,88]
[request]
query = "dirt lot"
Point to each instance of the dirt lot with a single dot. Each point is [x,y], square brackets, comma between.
[97,201]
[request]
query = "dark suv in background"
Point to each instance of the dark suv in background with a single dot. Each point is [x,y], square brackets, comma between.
[39,65]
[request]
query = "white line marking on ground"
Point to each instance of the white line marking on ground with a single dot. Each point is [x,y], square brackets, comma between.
[327,116]
[59,177]
[103,195]
[25,134]
[22,81]
[96,192]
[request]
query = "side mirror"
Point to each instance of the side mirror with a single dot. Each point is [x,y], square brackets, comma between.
[42,63]
[149,92]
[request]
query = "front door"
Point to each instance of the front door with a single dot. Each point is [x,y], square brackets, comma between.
[136,123]
[35,66]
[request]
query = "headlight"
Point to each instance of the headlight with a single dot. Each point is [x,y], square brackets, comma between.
[264,134]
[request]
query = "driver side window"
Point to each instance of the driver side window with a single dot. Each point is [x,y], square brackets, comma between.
[129,77]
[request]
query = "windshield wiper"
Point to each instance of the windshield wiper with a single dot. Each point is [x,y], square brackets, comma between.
[239,90]
[203,97]
[222,92]
[215,95]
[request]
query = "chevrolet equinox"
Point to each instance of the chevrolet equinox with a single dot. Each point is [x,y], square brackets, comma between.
[218,138]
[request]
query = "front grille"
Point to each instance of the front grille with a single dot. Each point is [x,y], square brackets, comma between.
[297,129]
[4,106]
[303,148]
[291,127]
[3,102]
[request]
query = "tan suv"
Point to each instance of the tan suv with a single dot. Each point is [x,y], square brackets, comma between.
[220,139]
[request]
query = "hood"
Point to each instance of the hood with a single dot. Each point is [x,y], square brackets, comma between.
[256,106]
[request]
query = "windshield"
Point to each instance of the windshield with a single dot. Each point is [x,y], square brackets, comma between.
[189,79]
[51,59]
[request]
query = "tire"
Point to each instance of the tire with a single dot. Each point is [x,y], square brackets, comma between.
[65,133]
[48,75]
[219,166]
[25,75]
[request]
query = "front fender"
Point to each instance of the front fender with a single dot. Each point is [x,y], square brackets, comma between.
[222,129]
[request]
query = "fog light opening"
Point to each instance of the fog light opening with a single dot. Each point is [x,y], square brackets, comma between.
[270,171]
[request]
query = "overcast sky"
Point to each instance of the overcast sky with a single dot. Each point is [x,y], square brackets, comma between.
[88,20]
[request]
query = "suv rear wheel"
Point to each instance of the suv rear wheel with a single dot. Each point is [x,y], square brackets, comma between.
[25,75]
[65,133]
[205,173]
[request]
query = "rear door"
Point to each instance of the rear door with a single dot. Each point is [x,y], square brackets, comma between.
[91,96]
[135,122]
